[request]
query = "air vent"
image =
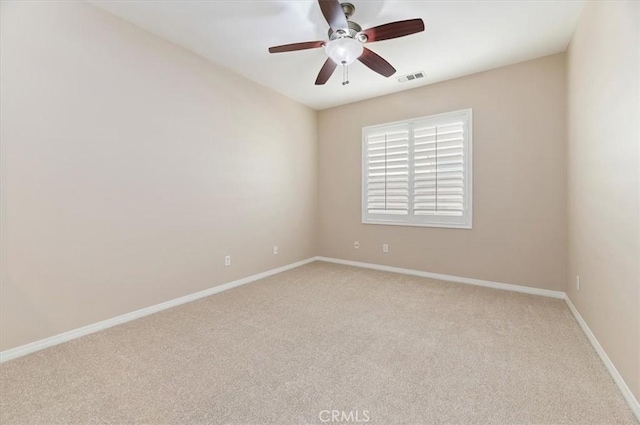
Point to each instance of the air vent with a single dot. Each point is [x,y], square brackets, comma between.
[411,77]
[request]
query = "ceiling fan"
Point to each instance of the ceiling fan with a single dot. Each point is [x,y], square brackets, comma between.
[346,39]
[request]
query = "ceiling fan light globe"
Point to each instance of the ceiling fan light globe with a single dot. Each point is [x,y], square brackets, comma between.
[344,50]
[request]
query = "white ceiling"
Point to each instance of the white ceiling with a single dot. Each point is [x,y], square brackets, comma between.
[461,38]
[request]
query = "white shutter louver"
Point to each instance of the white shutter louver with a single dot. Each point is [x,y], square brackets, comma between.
[438,184]
[418,172]
[388,171]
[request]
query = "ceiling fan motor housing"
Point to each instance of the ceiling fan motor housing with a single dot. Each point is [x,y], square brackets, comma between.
[351,32]
[354,28]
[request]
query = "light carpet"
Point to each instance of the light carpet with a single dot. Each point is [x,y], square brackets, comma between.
[390,348]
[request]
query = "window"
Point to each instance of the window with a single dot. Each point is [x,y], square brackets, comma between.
[418,172]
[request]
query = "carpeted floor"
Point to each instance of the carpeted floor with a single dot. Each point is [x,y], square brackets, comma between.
[389,348]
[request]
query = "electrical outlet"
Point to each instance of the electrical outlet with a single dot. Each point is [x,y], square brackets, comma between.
[578,283]
[385,248]
[356,245]
[275,249]
[227,261]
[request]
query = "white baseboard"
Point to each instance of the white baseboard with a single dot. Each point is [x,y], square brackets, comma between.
[617,378]
[467,280]
[32,347]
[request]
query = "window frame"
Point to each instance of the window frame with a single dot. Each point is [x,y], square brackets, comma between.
[442,221]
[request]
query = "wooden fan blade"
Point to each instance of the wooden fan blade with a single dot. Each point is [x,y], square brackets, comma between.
[334,14]
[376,63]
[394,30]
[325,72]
[296,46]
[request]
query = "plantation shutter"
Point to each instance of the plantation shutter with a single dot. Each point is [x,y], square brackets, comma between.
[387,171]
[439,171]
[418,172]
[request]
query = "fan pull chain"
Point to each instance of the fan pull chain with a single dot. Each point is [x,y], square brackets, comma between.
[345,73]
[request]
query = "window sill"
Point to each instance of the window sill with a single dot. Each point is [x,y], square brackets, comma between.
[436,225]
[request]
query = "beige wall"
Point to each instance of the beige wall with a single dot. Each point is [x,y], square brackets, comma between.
[519,202]
[604,188]
[130,167]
